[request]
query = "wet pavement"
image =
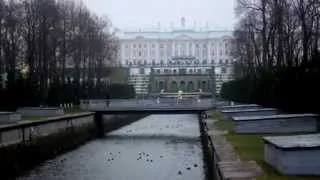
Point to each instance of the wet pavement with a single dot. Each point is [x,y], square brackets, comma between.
[158,147]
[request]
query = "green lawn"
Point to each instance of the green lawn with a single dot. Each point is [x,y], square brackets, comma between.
[74,110]
[250,147]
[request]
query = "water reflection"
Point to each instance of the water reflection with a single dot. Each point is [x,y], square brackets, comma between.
[156,147]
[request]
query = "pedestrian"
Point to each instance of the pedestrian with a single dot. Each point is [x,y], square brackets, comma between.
[108,99]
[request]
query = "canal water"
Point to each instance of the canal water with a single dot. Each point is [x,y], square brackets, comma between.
[157,147]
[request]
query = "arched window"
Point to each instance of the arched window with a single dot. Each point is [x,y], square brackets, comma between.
[204,86]
[161,86]
[223,70]
[174,86]
[190,87]
[182,86]
[142,71]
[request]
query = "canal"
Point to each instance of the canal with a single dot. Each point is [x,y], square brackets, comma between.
[157,147]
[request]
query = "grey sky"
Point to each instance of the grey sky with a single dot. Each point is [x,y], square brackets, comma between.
[148,13]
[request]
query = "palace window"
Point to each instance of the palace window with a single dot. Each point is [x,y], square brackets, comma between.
[224,70]
[127,52]
[140,45]
[168,50]
[197,52]
[204,53]
[183,49]
[141,71]
[161,52]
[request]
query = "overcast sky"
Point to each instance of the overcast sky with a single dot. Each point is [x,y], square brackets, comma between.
[147,13]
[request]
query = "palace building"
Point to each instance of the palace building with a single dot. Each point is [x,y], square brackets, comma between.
[179,59]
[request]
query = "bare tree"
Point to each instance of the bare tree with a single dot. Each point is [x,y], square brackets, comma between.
[53,39]
[276,33]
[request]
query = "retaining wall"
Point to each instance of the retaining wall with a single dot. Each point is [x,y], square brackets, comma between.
[25,145]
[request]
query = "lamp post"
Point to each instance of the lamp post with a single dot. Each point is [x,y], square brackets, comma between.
[213,84]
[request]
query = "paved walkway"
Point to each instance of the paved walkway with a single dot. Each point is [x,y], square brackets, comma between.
[226,162]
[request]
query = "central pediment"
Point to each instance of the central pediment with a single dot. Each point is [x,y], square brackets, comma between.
[182,37]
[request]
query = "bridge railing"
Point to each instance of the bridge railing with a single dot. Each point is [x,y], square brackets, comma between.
[168,102]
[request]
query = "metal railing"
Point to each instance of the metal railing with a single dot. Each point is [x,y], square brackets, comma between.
[144,103]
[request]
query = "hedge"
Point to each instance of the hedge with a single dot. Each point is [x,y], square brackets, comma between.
[294,89]
[24,92]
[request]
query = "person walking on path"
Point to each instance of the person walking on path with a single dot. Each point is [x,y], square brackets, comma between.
[108,99]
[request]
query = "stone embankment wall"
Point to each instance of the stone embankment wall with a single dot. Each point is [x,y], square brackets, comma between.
[27,144]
